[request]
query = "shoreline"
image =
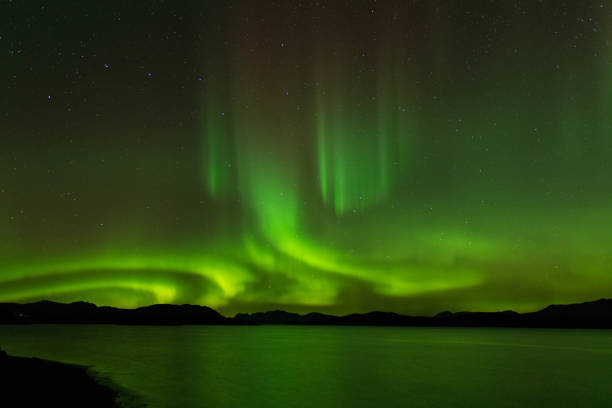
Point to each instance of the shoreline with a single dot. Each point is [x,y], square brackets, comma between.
[33,382]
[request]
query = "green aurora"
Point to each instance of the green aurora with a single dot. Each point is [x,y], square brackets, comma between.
[410,156]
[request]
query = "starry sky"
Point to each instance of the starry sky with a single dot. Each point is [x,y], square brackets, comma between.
[332,156]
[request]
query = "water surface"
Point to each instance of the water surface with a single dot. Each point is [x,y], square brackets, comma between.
[294,366]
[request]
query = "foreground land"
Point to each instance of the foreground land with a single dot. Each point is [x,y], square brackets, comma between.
[32,382]
[596,314]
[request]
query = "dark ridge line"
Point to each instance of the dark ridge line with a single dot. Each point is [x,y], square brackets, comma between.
[595,314]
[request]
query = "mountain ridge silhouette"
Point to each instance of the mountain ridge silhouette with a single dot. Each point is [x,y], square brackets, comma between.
[593,314]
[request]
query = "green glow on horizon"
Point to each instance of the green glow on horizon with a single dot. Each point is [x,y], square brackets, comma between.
[227,279]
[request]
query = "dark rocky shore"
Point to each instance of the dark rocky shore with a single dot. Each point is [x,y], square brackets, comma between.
[32,382]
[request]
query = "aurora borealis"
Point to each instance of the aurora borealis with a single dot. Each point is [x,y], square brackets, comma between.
[410,156]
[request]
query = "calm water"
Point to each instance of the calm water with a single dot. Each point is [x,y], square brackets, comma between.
[215,366]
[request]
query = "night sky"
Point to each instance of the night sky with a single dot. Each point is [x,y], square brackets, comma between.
[333,156]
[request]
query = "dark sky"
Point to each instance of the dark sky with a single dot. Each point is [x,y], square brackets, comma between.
[336,156]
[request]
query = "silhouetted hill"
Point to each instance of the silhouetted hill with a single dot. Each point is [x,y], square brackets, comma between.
[597,314]
[82,312]
[589,314]
[271,317]
[601,308]
[382,319]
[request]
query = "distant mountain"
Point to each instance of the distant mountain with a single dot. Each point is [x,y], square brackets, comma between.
[381,319]
[87,313]
[589,314]
[282,317]
[597,314]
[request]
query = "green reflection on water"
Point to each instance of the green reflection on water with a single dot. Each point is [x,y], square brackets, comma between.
[335,366]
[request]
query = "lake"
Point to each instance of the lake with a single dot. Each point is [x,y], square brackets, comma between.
[310,366]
